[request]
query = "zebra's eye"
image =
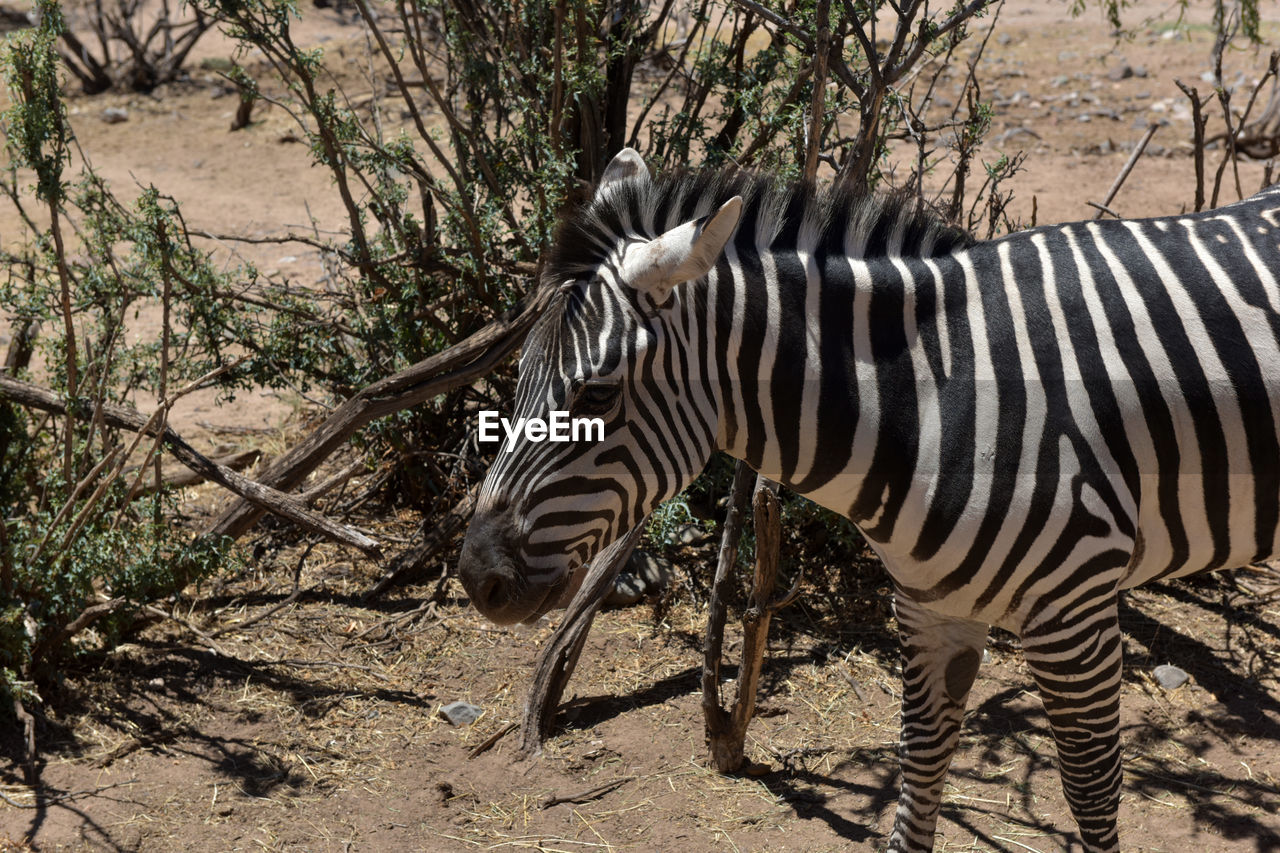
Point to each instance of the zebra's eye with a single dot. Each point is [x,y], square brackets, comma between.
[596,398]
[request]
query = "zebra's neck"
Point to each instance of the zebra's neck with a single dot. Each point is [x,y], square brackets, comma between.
[819,356]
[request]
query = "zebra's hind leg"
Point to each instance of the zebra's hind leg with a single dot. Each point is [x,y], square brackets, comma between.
[1076,662]
[940,659]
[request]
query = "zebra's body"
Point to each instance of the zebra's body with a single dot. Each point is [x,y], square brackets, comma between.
[1021,427]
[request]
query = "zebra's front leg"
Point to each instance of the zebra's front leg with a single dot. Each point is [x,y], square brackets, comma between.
[940,659]
[1076,662]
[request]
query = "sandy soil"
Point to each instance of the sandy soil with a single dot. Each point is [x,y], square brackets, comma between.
[317,729]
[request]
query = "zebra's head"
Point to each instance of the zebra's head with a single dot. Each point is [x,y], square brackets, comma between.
[615,351]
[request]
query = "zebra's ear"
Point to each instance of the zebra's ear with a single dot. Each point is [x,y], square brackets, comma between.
[627,163]
[682,254]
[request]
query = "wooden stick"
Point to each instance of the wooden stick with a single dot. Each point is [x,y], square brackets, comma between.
[714,714]
[560,653]
[586,796]
[263,497]
[1197,127]
[727,731]
[1124,173]
[458,365]
[181,479]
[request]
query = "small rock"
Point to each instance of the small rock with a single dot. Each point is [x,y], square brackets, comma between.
[1170,677]
[157,683]
[1004,38]
[1122,71]
[1139,71]
[1016,131]
[986,656]
[1085,117]
[115,115]
[461,713]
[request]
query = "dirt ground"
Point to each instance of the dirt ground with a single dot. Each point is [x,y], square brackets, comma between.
[318,728]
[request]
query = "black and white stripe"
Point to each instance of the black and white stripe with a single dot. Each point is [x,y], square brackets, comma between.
[1021,427]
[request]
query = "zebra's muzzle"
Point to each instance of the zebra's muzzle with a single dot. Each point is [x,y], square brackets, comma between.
[496,581]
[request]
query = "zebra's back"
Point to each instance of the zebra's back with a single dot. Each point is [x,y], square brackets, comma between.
[1088,388]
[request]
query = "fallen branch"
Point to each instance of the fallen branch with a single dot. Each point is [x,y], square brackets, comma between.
[458,365]
[237,461]
[560,653]
[264,498]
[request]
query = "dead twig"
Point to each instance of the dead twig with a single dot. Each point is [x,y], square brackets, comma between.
[1197,128]
[264,498]
[587,795]
[237,461]
[1124,173]
[458,365]
[493,739]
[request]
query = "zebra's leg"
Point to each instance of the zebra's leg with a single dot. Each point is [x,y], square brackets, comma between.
[1076,662]
[940,659]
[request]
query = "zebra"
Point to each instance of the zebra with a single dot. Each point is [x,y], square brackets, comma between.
[1020,427]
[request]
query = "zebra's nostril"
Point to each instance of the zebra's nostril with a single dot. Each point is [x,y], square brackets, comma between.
[492,594]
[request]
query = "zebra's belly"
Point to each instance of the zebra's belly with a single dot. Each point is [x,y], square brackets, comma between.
[1202,524]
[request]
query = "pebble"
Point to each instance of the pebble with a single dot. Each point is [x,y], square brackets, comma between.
[986,656]
[115,115]
[461,713]
[1123,71]
[1169,676]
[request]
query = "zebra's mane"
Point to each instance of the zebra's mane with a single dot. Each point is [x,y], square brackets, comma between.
[779,214]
